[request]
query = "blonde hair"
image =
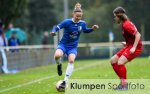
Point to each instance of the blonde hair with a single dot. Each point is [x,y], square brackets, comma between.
[77,8]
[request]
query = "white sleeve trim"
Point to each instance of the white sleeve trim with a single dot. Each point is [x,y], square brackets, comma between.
[58,27]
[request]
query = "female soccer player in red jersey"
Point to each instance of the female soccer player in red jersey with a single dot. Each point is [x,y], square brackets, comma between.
[132,49]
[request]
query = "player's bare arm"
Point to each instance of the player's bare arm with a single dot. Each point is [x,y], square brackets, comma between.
[137,38]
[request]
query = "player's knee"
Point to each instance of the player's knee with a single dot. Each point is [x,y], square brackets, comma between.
[121,62]
[71,61]
[57,56]
[112,60]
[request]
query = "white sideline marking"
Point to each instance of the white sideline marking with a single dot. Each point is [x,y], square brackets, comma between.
[45,78]
[28,83]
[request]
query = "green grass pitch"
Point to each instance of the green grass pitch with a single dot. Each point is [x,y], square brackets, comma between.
[42,80]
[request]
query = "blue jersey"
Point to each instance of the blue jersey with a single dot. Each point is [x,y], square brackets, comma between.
[72,31]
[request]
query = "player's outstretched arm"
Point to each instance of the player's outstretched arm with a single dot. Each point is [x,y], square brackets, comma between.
[54,30]
[58,27]
[88,30]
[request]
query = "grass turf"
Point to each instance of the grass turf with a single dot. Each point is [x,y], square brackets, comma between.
[41,80]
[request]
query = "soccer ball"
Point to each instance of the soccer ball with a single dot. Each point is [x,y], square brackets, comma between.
[59,89]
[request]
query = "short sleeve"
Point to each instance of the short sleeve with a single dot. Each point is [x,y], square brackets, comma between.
[130,27]
[62,24]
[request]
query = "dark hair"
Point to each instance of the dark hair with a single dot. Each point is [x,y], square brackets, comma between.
[119,10]
[77,8]
[1,24]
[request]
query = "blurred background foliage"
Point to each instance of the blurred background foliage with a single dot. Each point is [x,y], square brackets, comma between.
[37,16]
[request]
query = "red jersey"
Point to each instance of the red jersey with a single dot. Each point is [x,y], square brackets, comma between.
[129,31]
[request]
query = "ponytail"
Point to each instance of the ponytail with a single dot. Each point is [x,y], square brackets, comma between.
[77,8]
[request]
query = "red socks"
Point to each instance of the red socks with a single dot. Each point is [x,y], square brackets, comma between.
[122,74]
[120,71]
[115,67]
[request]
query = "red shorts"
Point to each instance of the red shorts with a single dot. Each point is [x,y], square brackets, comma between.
[126,52]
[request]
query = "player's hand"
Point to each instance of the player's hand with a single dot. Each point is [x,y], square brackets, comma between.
[123,43]
[94,27]
[132,50]
[52,33]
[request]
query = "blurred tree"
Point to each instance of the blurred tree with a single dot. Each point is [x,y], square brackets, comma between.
[138,12]
[41,15]
[101,13]
[11,9]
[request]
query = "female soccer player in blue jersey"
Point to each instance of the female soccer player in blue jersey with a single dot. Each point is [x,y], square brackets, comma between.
[69,42]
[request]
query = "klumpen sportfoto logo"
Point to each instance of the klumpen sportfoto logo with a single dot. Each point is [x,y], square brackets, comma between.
[105,86]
